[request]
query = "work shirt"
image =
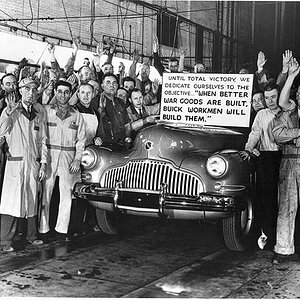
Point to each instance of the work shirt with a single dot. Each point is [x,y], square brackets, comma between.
[261,136]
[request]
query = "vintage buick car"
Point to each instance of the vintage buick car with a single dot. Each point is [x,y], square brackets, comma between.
[173,171]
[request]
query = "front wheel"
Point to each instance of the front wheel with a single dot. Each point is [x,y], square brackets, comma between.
[236,229]
[107,221]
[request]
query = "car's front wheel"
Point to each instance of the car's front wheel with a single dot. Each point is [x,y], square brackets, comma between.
[107,221]
[236,229]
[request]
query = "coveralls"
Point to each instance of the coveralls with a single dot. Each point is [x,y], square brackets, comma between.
[25,134]
[66,143]
[286,131]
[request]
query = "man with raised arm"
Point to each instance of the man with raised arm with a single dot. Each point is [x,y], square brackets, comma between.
[286,132]
[22,124]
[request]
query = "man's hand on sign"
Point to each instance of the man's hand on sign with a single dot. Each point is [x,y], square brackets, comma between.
[286,58]
[293,67]
[150,119]
[155,45]
[261,60]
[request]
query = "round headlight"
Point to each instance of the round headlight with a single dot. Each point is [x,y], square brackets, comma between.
[88,158]
[216,166]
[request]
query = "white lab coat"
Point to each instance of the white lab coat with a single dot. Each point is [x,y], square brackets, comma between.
[26,139]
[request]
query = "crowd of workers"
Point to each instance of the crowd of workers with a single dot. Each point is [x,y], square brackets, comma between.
[50,115]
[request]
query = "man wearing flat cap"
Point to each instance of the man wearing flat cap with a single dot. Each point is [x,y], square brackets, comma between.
[23,125]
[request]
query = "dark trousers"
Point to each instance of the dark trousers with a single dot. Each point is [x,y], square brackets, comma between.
[9,226]
[267,172]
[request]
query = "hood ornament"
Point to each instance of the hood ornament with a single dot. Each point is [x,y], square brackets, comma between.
[148,145]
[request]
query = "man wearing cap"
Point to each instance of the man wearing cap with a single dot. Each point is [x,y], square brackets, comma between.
[24,128]
[66,131]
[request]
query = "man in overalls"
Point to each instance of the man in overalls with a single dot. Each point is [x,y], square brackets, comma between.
[66,132]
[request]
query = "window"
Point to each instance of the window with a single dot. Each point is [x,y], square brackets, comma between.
[167,30]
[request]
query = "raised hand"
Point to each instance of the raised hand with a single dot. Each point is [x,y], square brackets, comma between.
[76,43]
[23,63]
[155,44]
[72,79]
[51,48]
[286,57]
[261,60]
[44,78]
[155,86]
[121,67]
[102,102]
[182,51]
[113,45]
[136,55]
[293,67]
[11,102]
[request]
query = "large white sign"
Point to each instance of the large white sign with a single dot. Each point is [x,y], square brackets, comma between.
[207,99]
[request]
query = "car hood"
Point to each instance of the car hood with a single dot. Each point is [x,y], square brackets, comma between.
[175,142]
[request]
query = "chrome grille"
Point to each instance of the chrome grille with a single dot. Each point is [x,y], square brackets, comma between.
[150,174]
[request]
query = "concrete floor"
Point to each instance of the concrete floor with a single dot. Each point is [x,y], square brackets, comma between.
[149,260]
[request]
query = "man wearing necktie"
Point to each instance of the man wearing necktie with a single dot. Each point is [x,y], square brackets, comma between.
[26,164]
[140,115]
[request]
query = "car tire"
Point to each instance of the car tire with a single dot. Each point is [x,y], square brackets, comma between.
[107,221]
[236,229]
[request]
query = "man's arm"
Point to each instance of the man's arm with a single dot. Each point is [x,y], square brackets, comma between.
[54,63]
[286,57]
[281,132]
[69,67]
[132,69]
[261,73]
[157,62]
[182,52]
[255,133]
[81,137]
[284,98]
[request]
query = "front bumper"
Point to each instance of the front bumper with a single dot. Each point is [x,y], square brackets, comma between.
[159,202]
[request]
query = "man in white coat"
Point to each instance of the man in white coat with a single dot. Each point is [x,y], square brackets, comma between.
[67,136]
[22,124]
